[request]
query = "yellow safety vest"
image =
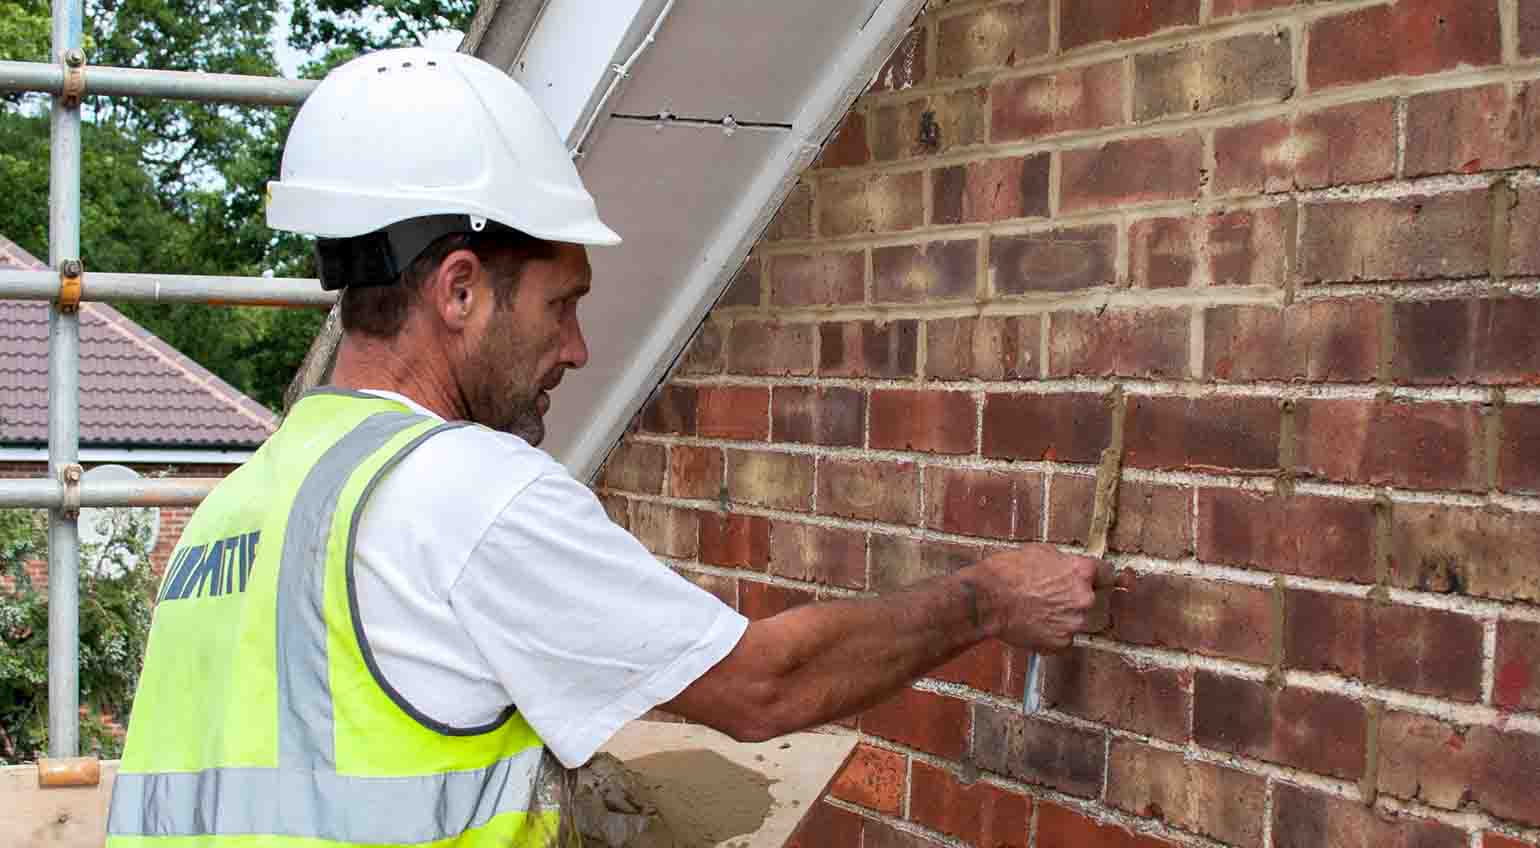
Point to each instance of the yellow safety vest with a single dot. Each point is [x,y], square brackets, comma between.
[261,718]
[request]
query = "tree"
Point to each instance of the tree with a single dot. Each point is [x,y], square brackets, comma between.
[178,188]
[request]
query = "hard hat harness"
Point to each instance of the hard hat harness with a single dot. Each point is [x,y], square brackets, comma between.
[380,257]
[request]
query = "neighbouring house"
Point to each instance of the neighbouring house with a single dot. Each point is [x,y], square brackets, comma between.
[1285,256]
[142,404]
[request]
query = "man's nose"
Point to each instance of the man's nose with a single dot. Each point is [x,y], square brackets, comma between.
[574,349]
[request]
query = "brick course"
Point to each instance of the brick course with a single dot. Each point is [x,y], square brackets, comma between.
[1290,250]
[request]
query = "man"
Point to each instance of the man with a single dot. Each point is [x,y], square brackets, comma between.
[373,632]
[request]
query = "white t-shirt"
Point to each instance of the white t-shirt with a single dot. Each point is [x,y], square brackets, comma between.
[487,576]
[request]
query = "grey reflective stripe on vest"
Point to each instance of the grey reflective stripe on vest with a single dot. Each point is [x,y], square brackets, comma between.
[305,738]
[321,805]
[304,796]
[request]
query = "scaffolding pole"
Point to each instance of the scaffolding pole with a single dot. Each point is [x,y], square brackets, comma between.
[171,288]
[40,493]
[64,396]
[170,85]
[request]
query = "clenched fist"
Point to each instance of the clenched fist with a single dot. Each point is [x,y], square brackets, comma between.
[1038,597]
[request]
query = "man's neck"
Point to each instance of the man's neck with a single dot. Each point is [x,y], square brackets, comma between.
[380,366]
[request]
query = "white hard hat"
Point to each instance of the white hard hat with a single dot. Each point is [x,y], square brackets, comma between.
[415,133]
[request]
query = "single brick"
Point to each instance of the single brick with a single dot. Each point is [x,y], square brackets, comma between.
[1213,75]
[873,491]
[725,589]
[1202,433]
[1416,445]
[846,146]
[919,273]
[1430,652]
[982,348]
[1473,129]
[1054,427]
[792,222]
[733,540]
[929,421]
[694,472]
[775,480]
[827,825]
[991,39]
[1409,238]
[987,190]
[977,813]
[1342,145]
[1317,341]
[1153,520]
[617,507]
[1061,827]
[985,666]
[1244,248]
[1529,27]
[1067,759]
[1111,689]
[821,279]
[1217,802]
[977,503]
[1443,342]
[1192,614]
[1054,260]
[1483,552]
[670,410]
[1450,766]
[1497,840]
[770,348]
[762,600]
[1323,732]
[1124,173]
[1306,819]
[925,721]
[873,778]
[1227,8]
[899,561]
[877,204]
[1518,678]
[1411,37]
[906,67]
[706,353]
[1302,534]
[930,125]
[826,555]
[1148,342]
[733,412]
[1075,99]
[635,467]
[665,530]
[1089,21]
[1524,232]
[877,834]
[868,349]
[1070,501]
[820,416]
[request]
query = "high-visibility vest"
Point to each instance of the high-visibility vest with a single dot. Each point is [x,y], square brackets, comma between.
[261,718]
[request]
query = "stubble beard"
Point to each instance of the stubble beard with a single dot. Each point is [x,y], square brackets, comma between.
[508,393]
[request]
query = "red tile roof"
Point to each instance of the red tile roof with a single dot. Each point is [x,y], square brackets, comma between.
[135,390]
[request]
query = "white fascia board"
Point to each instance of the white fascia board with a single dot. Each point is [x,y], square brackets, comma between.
[723,251]
[146,456]
[569,55]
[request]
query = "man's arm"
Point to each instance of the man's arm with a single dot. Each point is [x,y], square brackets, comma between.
[820,662]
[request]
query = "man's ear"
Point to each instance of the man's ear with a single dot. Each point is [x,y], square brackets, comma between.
[456,288]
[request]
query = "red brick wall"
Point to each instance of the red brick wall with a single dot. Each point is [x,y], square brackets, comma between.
[172,519]
[1301,242]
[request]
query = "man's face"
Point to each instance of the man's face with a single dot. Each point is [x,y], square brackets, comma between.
[525,348]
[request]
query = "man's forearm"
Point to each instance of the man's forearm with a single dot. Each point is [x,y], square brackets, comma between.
[820,662]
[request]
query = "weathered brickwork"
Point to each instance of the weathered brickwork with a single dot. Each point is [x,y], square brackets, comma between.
[1295,245]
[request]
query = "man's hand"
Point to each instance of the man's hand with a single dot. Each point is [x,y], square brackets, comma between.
[1037,597]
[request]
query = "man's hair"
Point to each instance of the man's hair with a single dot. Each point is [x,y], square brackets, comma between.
[381,311]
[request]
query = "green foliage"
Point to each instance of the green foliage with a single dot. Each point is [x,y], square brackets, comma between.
[116,588]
